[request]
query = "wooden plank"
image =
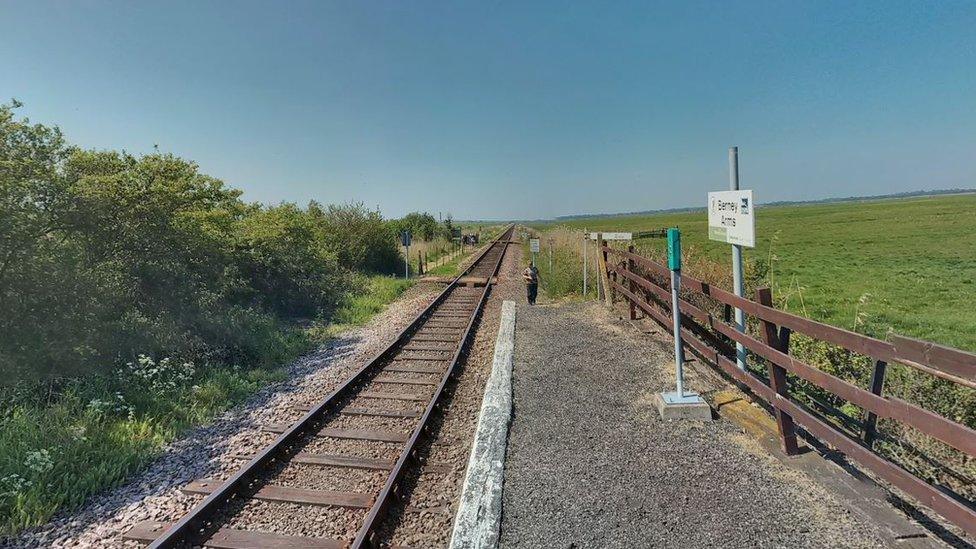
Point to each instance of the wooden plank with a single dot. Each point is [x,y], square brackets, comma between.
[603,290]
[427,347]
[877,387]
[231,538]
[404,381]
[414,369]
[287,494]
[393,396]
[777,379]
[333,460]
[955,363]
[629,266]
[435,338]
[379,413]
[408,358]
[364,434]
[355,434]
[454,333]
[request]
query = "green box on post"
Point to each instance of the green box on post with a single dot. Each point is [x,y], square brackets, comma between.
[674,249]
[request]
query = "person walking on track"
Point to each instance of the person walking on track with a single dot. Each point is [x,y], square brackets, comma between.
[531,276]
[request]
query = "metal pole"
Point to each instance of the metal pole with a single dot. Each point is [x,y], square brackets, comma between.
[584,264]
[679,352]
[737,276]
[406,263]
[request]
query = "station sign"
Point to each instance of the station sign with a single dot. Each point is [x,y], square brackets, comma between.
[534,245]
[612,236]
[405,238]
[732,218]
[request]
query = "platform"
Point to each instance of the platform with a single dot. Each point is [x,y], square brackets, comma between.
[591,464]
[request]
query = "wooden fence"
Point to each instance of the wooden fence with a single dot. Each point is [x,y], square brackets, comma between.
[645,285]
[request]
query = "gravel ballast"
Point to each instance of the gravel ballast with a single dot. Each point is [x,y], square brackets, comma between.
[206,452]
[454,428]
[590,463]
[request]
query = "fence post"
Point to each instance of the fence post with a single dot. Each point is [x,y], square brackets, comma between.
[877,385]
[777,378]
[633,285]
[604,273]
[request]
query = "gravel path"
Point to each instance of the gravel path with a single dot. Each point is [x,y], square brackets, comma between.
[437,487]
[205,452]
[590,464]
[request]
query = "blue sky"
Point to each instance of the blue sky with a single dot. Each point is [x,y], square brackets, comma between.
[512,109]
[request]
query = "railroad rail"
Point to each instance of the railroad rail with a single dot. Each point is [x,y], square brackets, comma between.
[397,391]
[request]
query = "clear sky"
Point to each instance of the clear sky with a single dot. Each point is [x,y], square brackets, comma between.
[512,109]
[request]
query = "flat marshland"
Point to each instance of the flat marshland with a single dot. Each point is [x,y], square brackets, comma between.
[907,265]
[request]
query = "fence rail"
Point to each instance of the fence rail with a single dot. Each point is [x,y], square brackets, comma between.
[645,285]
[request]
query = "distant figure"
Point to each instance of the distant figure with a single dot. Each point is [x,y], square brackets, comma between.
[531,276]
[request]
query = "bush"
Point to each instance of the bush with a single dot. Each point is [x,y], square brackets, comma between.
[104,255]
[423,226]
[360,238]
[140,296]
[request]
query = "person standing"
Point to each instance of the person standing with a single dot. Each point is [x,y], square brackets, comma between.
[531,276]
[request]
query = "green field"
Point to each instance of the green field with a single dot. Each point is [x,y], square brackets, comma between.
[906,265]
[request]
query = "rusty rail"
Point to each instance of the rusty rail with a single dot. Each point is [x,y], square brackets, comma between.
[198,524]
[707,336]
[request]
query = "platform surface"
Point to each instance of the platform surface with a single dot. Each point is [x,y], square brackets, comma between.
[591,464]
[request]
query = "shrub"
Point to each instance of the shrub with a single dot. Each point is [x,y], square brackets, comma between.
[359,238]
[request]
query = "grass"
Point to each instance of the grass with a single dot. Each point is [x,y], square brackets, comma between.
[906,265]
[450,268]
[357,309]
[63,442]
[564,279]
[59,448]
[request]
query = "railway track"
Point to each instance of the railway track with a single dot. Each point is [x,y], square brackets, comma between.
[338,469]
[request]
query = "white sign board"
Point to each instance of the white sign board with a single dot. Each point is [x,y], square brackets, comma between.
[612,236]
[732,218]
[534,245]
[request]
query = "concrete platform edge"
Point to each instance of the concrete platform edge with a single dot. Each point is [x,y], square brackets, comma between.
[479,513]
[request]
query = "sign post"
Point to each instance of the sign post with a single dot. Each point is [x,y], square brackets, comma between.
[674,265]
[679,404]
[732,219]
[405,240]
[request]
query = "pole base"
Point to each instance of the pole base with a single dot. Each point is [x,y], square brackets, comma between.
[689,406]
